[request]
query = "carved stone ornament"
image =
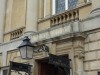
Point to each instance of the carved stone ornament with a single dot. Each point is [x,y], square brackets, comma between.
[79,54]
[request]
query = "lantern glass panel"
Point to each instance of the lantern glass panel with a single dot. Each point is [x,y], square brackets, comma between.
[23,52]
[29,52]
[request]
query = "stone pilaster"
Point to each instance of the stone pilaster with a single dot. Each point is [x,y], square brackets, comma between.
[31,16]
[2,18]
[79,66]
[79,55]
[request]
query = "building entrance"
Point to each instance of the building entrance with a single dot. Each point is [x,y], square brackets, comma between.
[45,68]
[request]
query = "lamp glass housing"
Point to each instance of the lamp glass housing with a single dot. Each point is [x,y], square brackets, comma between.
[26,52]
[26,49]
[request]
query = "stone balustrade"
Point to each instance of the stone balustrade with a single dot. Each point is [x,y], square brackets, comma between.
[67,16]
[16,34]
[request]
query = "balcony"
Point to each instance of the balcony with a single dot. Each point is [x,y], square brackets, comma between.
[65,17]
[63,25]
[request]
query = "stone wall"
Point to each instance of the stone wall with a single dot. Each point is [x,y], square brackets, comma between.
[92,53]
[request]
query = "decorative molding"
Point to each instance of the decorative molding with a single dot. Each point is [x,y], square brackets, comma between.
[16,34]
[90,18]
[95,10]
[23,27]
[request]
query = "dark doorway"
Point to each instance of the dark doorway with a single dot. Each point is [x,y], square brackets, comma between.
[47,69]
[44,68]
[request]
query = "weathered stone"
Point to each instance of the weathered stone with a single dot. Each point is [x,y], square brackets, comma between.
[92,37]
[93,46]
[91,73]
[86,47]
[90,56]
[86,66]
[94,65]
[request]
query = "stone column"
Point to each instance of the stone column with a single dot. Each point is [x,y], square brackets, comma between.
[79,63]
[95,6]
[2,18]
[31,16]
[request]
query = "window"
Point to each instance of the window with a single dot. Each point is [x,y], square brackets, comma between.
[62,5]
[72,4]
[5,72]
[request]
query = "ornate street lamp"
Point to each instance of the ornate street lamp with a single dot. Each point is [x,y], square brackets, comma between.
[26,48]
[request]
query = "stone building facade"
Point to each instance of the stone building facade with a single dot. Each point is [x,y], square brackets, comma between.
[72,31]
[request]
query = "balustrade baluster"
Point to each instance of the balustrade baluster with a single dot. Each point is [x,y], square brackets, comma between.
[65,17]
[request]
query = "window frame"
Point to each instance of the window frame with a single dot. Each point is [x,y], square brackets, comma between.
[5,68]
[44,10]
[66,6]
[54,6]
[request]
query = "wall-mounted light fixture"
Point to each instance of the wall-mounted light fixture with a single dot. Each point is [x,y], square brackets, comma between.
[27,49]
